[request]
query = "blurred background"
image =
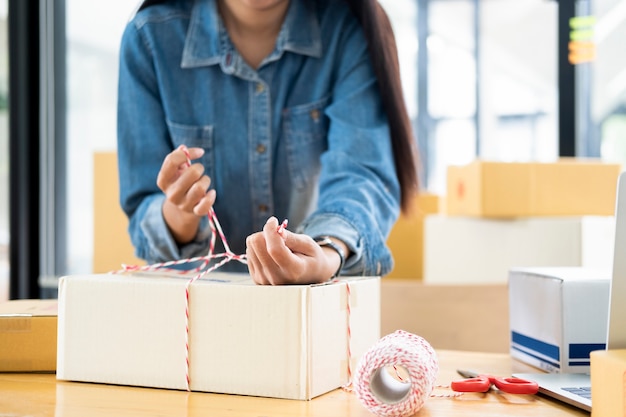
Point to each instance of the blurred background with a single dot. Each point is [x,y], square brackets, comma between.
[481,79]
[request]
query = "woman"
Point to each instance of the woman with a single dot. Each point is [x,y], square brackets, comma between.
[288,109]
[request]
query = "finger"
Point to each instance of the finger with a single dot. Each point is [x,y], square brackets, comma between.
[203,207]
[178,192]
[169,172]
[300,243]
[177,159]
[267,267]
[271,222]
[251,263]
[198,189]
[195,153]
[174,163]
[274,241]
[254,265]
[310,262]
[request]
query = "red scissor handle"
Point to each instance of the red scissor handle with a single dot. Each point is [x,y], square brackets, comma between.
[479,384]
[515,385]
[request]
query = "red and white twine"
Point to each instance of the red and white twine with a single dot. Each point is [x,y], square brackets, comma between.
[204,269]
[349,385]
[398,349]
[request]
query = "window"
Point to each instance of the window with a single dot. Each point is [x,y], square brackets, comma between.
[92,66]
[608,84]
[4,153]
[491,90]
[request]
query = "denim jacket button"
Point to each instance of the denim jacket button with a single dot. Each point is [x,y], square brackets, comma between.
[260,148]
[315,114]
[260,88]
[263,208]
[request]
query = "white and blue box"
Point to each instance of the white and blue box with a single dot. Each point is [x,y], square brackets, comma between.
[558,316]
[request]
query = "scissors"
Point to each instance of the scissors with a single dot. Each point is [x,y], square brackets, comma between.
[482,383]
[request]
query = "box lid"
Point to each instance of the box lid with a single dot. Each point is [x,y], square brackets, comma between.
[563,273]
[33,308]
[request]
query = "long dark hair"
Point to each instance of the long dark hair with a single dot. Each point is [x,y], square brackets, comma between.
[146,3]
[384,52]
[384,55]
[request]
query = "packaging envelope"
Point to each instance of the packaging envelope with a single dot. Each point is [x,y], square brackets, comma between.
[270,341]
[28,335]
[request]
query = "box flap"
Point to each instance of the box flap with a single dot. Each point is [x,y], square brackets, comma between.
[29,308]
[261,348]
[566,273]
[109,326]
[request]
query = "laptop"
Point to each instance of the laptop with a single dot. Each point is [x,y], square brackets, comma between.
[575,389]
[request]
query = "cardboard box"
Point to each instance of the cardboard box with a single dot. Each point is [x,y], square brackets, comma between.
[441,314]
[480,250]
[504,189]
[28,335]
[558,316]
[608,383]
[406,240]
[111,241]
[270,341]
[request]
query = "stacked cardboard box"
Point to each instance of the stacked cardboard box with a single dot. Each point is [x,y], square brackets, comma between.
[503,215]
[569,187]
[406,240]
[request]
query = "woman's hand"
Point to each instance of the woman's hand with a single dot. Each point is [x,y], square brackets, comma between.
[186,197]
[288,258]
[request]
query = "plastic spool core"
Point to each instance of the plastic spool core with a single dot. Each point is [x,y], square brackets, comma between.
[387,388]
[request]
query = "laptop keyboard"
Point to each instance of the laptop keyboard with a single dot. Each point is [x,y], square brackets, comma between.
[584,392]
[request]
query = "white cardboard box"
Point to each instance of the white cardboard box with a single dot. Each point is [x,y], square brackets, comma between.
[464,250]
[271,341]
[558,316]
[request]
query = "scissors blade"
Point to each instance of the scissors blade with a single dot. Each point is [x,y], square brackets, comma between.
[467,374]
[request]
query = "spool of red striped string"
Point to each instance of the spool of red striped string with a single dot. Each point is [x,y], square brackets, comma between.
[388,396]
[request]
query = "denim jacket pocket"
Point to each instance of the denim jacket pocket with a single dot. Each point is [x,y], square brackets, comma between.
[304,130]
[195,137]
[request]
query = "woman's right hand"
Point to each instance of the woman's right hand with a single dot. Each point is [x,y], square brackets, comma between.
[187,194]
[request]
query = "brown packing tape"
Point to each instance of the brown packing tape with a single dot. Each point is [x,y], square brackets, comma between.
[13,324]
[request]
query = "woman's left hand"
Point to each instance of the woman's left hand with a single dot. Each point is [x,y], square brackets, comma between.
[287,258]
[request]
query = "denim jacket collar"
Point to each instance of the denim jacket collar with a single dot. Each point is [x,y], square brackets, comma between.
[207,42]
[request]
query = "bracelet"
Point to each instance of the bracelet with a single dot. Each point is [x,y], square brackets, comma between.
[326,241]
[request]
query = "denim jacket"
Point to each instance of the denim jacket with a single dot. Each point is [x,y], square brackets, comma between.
[302,137]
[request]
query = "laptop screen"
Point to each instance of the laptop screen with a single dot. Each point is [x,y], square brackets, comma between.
[616,334]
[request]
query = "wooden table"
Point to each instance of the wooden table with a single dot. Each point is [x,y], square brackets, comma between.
[41,395]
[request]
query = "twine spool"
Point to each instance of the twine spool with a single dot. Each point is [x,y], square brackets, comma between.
[386,396]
